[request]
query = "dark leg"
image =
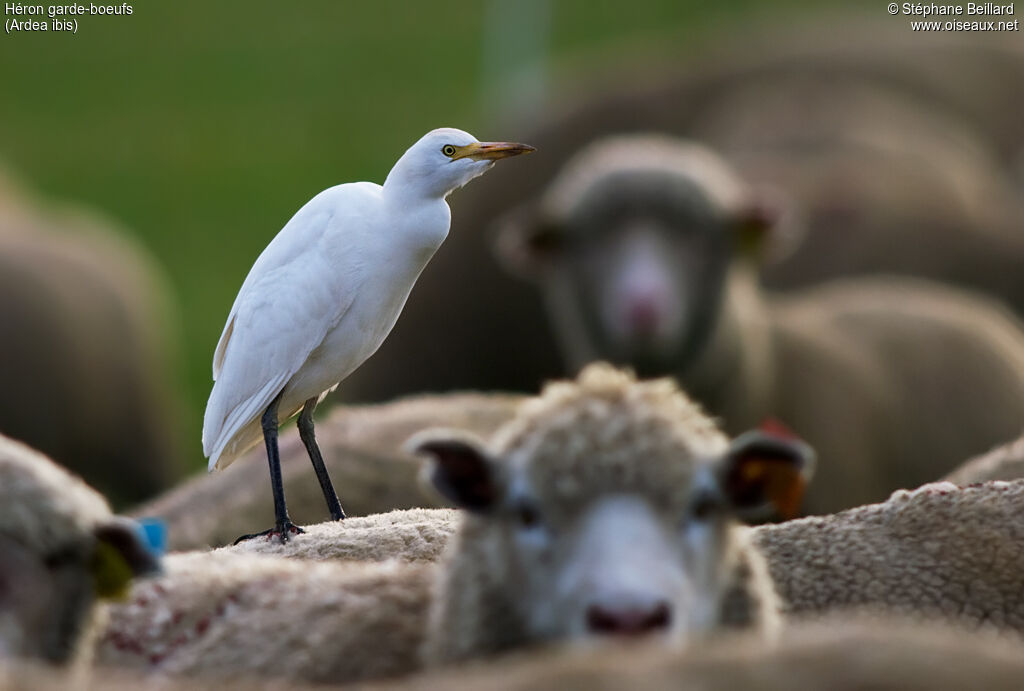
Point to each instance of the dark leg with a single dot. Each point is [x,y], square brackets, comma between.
[283,527]
[309,439]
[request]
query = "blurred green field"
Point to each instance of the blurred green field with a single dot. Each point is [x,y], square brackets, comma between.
[202,126]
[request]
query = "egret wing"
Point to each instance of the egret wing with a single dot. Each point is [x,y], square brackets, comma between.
[296,292]
[302,233]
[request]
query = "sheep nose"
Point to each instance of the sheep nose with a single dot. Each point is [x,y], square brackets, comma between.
[644,312]
[628,621]
[643,317]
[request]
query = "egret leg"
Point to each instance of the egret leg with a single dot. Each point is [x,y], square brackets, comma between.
[308,437]
[283,527]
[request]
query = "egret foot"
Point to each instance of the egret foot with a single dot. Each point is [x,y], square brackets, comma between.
[282,531]
[283,527]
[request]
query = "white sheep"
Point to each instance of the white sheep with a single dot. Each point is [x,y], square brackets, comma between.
[646,249]
[884,654]
[223,615]
[60,550]
[21,675]
[409,535]
[938,550]
[591,477]
[606,507]
[1004,462]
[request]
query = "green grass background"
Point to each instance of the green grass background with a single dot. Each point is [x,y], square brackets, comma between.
[202,125]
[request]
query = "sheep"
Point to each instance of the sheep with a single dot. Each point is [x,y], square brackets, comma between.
[227,612]
[646,248]
[26,676]
[606,507]
[872,176]
[60,551]
[362,448]
[1003,463]
[881,653]
[85,357]
[225,615]
[849,653]
[936,552]
[910,126]
[939,551]
[409,535]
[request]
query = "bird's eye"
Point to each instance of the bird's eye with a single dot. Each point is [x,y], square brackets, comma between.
[448,150]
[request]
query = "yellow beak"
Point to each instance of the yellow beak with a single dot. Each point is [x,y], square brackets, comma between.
[491,151]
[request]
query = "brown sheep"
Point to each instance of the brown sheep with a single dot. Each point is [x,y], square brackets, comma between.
[899,139]
[84,357]
[645,249]
[878,182]
[60,551]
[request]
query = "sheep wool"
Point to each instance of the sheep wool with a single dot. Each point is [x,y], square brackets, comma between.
[411,535]
[939,551]
[223,616]
[1004,462]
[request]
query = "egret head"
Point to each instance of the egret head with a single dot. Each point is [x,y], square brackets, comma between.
[445,159]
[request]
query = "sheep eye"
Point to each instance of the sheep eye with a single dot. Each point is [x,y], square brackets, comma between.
[448,150]
[704,507]
[528,516]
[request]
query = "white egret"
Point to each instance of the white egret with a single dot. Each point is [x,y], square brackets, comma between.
[322,297]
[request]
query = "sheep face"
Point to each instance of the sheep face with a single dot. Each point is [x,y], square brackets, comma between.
[632,243]
[46,600]
[60,550]
[608,515]
[622,567]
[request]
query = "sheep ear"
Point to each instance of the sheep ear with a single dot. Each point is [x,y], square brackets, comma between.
[524,243]
[765,473]
[460,469]
[119,555]
[758,219]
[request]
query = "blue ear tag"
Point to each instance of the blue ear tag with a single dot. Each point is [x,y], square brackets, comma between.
[154,534]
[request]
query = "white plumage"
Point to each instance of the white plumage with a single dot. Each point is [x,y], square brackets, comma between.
[329,287]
